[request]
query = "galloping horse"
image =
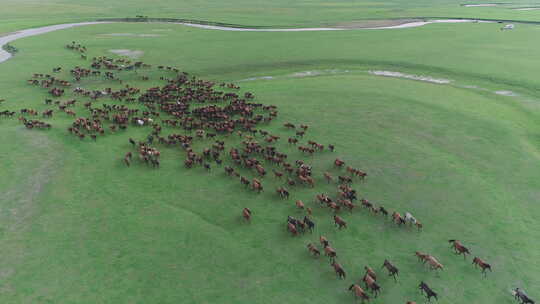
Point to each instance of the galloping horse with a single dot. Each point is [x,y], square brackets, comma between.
[459,248]
[359,292]
[424,288]
[338,221]
[246,213]
[371,284]
[393,271]
[313,249]
[479,262]
[339,270]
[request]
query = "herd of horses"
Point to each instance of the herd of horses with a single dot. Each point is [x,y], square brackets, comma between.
[197,111]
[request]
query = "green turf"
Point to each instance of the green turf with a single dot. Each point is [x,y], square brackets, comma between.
[17,14]
[79,227]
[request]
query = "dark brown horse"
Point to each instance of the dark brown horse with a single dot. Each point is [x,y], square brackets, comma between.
[393,271]
[479,262]
[459,248]
[339,222]
[359,292]
[371,284]
[313,249]
[340,272]
[424,288]
[246,214]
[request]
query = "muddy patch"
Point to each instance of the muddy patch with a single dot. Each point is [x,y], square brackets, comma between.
[410,76]
[127,53]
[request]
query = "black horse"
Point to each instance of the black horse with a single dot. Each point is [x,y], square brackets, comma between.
[429,292]
[309,223]
[520,295]
[392,270]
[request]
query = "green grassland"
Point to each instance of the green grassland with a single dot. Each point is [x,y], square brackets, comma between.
[77,226]
[17,14]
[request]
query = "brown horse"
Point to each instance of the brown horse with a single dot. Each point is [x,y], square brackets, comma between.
[300,204]
[340,272]
[371,284]
[433,263]
[397,218]
[330,252]
[292,229]
[339,222]
[323,241]
[370,272]
[246,213]
[328,177]
[393,271]
[459,248]
[313,249]
[359,292]
[479,262]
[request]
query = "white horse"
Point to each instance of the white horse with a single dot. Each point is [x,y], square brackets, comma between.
[410,218]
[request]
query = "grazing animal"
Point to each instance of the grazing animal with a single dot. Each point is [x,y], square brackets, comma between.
[479,262]
[359,292]
[330,252]
[433,263]
[340,272]
[313,249]
[371,284]
[292,229]
[397,218]
[323,241]
[424,288]
[300,204]
[339,222]
[310,224]
[519,294]
[393,271]
[246,214]
[459,248]
[370,272]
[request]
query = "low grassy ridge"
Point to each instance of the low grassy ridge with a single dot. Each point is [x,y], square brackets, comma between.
[79,227]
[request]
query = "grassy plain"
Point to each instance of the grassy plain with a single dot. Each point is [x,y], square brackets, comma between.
[79,227]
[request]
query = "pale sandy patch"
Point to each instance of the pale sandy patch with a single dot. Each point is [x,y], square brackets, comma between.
[411,76]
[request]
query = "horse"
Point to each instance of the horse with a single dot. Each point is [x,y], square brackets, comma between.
[479,262]
[313,249]
[424,288]
[459,248]
[246,213]
[340,272]
[393,271]
[421,256]
[519,294]
[371,284]
[359,292]
[397,218]
[339,222]
[323,241]
[433,263]
[292,229]
[328,177]
[310,224]
[370,272]
[330,252]
[410,218]
[300,204]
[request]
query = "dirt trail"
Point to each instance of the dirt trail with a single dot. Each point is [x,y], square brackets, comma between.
[4,55]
